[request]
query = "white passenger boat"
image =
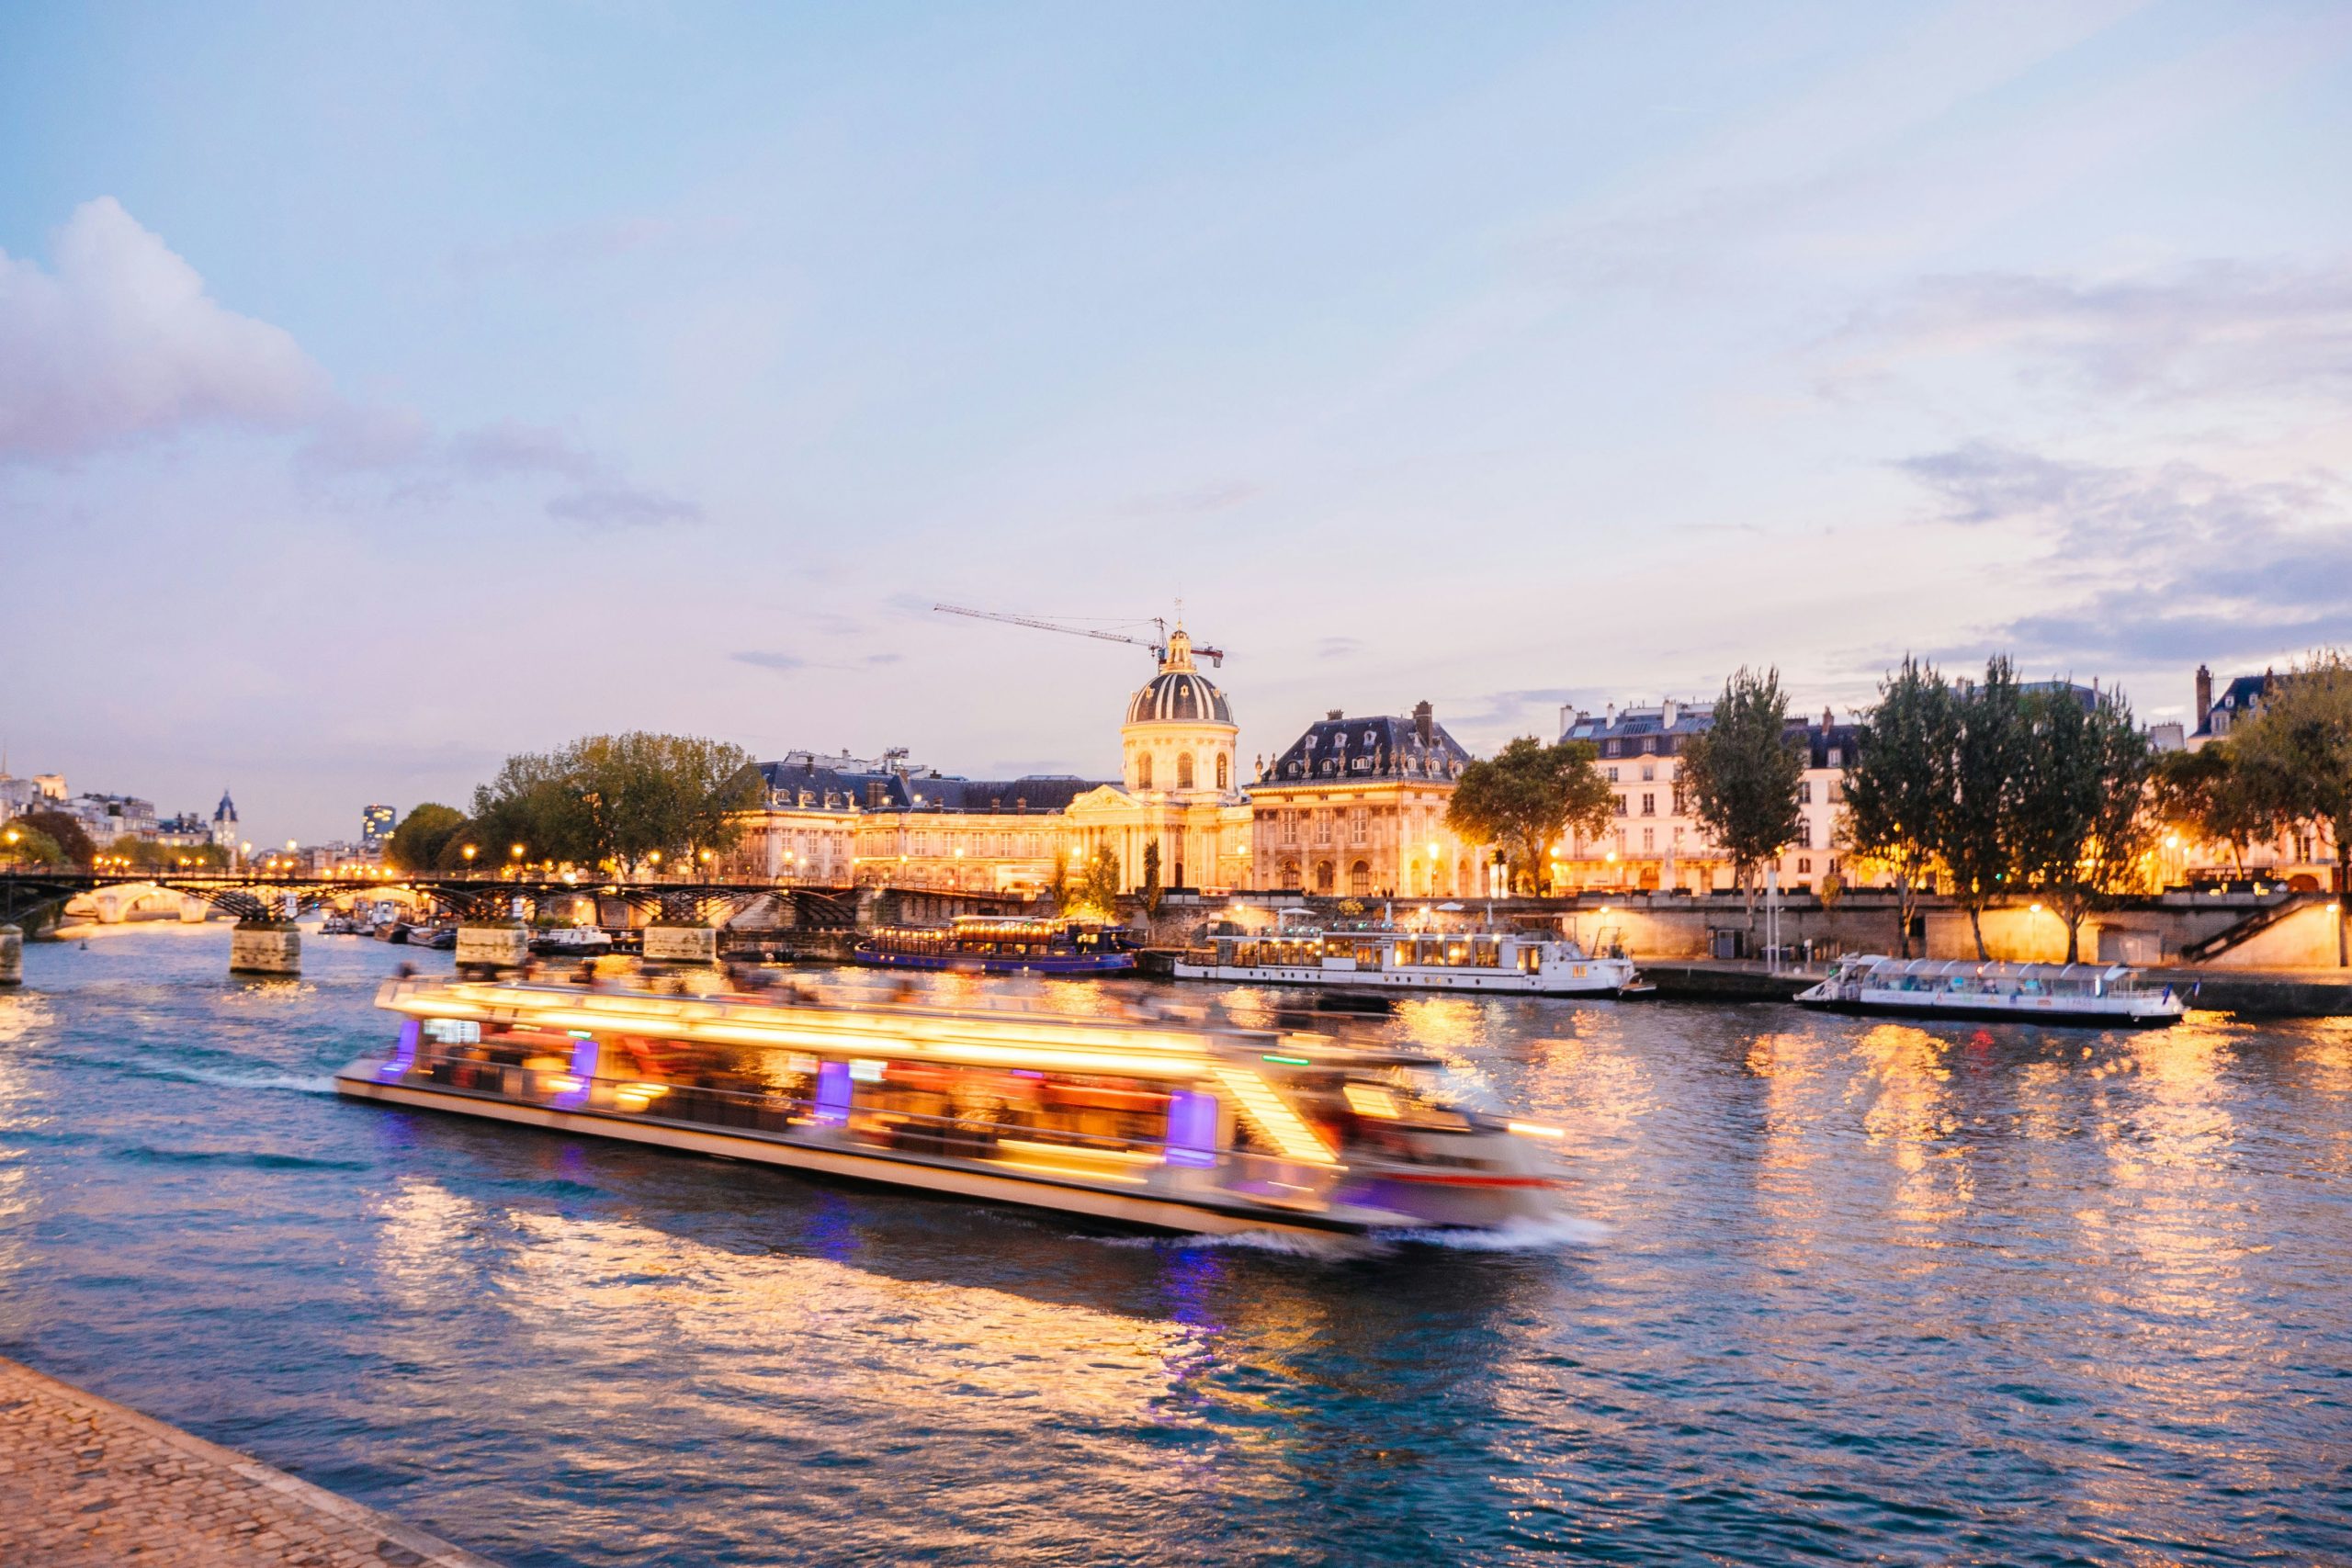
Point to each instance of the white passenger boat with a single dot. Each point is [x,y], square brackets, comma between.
[1168,1127]
[2111,996]
[1382,958]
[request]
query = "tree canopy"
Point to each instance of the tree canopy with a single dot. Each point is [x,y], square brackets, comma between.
[1976,835]
[417,842]
[612,800]
[1898,782]
[1525,797]
[24,846]
[1094,893]
[2296,751]
[145,854]
[1740,775]
[2206,797]
[2080,821]
[62,831]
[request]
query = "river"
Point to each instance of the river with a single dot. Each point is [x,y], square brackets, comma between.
[1840,1291]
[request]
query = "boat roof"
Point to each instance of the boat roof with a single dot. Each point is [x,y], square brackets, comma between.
[1995,969]
[1000,1035]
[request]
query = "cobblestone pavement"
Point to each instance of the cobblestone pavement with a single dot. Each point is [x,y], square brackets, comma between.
[83,1481]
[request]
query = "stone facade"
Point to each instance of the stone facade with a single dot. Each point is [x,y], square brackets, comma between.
[1356,806]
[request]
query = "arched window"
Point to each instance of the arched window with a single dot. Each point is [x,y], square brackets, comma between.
[1360,878]
[1143,771]
[1289,875]
[1184,770]
[1323,876]
[1221,769]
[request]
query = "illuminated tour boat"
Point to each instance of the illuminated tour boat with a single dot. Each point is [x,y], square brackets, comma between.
[1144,1123]
[1382,958]
[988,944]
[2111,995]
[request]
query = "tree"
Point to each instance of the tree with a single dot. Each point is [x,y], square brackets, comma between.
[2079,822]
[417,844]
[63,832]
[2298,754]
[1151,876]
[1741,774]
[1899,782]
[1059,883]
[1525,797]
[23,848]
[615,800]
[2208,797]
[1096,893]
[1974,830]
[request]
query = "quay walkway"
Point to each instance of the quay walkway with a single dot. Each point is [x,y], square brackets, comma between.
[84,1481]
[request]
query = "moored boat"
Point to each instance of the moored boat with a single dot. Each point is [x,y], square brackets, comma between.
[991,944]
[1144,1123]
[1382,958]
[2111,996]
[571,942]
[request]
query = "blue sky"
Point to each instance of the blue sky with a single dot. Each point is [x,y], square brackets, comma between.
[384,391]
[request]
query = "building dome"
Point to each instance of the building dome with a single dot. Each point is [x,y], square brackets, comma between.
[1179,693]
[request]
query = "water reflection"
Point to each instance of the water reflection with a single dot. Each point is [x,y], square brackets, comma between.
[1872,1292]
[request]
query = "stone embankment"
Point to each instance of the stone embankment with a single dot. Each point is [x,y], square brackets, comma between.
[86,1482]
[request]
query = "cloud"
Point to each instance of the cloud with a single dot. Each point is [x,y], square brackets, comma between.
[509,448]
[2215,327]
[786,663]
[121,341]
[1338,647]
[2176,561]
[623,506]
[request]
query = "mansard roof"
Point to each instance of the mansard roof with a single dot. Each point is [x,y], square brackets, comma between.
[1387,746]
[811,783]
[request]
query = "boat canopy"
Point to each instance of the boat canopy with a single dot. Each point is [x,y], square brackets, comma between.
[1879,967]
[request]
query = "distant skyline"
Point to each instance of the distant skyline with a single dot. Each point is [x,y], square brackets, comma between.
[383,392]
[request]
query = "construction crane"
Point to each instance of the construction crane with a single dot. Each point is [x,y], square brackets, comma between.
[1158,648]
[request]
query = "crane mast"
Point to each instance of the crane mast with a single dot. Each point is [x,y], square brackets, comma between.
[1158,648]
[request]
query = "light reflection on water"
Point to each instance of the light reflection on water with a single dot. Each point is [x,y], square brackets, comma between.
[1871,1292]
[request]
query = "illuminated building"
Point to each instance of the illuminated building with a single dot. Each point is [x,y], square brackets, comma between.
[376,824]
[834,820]
[1656,841]
[1357,806]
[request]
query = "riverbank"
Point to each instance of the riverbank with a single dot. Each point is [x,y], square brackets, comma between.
[84,1480]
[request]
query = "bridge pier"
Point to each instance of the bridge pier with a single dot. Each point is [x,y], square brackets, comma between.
[12,955]
[194,912]
[265,947]
[502,945]
[681,944]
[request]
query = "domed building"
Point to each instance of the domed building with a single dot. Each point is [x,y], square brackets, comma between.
[834,820]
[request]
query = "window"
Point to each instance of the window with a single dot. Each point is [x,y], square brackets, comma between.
[1649,839]
[1222,763]
[1184,770]
[1360,878]
[1324,876]
[1805,791]
[1649,771]
[1620,806]
[1323,828]
[1360,825]
[1143,771]
[1805,832]
[1612,772]
[1805,866]
[1649,804]
[1836,757]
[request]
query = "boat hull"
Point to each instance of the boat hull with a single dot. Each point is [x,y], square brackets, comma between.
[2073,1017]
[979,963]
[1142,1211]
[1603,983]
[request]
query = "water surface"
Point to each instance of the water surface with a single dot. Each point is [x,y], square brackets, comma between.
[1851,1292]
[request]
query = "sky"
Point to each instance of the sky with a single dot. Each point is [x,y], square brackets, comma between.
[387,390]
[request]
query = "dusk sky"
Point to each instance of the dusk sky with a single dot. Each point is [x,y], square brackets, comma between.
[385,390]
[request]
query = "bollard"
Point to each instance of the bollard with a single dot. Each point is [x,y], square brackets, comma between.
[12,955]
[504,946]
[681,944]
[264,947]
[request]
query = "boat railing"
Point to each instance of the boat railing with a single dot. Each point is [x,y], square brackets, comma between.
[1019,1146]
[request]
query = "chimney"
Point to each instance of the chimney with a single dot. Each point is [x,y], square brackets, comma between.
[1827,717]
[1666,710]
[1335,713]
[1424,723]
[2204,695]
